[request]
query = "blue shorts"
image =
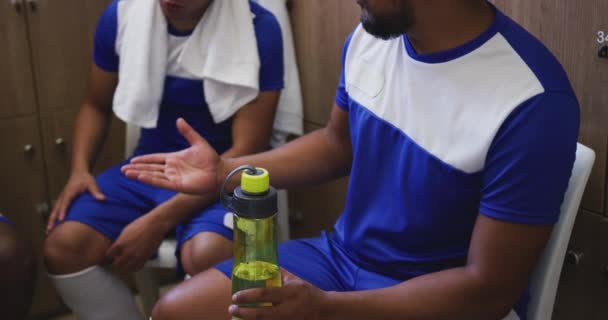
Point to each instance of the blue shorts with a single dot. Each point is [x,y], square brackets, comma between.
[127,200]
[324,263]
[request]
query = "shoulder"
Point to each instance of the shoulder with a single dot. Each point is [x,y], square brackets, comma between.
[264,20]
[537,57]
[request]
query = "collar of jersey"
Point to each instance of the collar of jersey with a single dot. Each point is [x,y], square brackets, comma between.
[462,50]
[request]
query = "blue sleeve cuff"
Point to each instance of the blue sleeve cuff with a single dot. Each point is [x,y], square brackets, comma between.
[517,217]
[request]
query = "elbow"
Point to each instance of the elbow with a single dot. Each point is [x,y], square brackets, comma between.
[495,297]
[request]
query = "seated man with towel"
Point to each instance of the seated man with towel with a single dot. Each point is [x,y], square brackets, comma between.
[218,64]
[17,272]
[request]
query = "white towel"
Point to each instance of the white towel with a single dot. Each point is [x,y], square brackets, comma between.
[222,50]
[289,115]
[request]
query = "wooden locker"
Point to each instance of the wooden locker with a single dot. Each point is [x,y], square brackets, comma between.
[24,196]
[320,29]
[601,272]
[570,30]
[577,281]
[17,82]
[57,130]
[61,35]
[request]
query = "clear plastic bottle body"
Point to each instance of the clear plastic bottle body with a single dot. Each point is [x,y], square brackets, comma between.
[255,254]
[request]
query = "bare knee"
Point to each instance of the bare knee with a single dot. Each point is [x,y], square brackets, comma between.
[166,308]
[206,294]
[72,247]
[204,251]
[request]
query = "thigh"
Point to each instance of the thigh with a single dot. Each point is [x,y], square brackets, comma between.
[126,201]
[315,260]
[204,240]
[206,294]
[203,251]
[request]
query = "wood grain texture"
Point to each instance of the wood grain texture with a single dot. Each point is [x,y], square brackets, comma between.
[22,184]
[601,296]
[569,30]
[59,125]
[320,29]
[583,287]
[574,296]
[17,82]
[62,34]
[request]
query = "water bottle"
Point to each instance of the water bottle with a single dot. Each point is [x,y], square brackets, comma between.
[254,207]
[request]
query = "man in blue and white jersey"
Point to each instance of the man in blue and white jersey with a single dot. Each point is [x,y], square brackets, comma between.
[111,219]
[458,129]
[17,272]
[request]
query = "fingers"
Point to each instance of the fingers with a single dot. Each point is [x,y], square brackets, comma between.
[190,134]
[117,256]
[254,313]
[274,295]
[142,167]
[53,217]
[66,201]
[96,192]
[123,261]
[288,276]
[158,158]
[157,180]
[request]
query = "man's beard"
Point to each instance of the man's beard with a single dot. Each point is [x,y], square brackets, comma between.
[387,27]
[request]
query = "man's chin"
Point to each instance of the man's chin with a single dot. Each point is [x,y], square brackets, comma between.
[379,32]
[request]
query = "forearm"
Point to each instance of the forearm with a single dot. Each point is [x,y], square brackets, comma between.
[452,294]
[90,131]
[314,158]
[180,208]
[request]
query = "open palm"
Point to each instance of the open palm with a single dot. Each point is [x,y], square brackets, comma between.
[193,170]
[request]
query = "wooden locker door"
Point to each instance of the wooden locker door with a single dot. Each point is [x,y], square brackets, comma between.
[320,29]
[57,130]
[24,196]
[576,287]
[61,34]
[601,298]
[570,30]
[17,83]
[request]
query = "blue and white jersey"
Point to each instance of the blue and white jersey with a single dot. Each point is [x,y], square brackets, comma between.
[488,128]
[183,94]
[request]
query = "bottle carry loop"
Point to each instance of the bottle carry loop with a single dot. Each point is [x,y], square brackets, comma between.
[225,198]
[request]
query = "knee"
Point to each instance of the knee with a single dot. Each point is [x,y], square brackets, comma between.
[64,251]
[205,251]
[194,264]
[168,307]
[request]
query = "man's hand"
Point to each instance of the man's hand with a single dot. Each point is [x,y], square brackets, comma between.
[136,244]
[192,171]
[77,184]
[296,300]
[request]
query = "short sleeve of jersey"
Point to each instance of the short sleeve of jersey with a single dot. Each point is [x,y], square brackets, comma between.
[530,161]
[104,53]
[341,94]
[270,49]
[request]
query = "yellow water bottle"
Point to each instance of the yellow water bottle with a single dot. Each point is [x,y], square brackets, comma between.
[254,205]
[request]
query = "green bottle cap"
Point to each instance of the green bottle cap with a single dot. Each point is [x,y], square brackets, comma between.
[255,183]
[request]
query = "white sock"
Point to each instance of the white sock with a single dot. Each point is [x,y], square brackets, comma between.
[96,294]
